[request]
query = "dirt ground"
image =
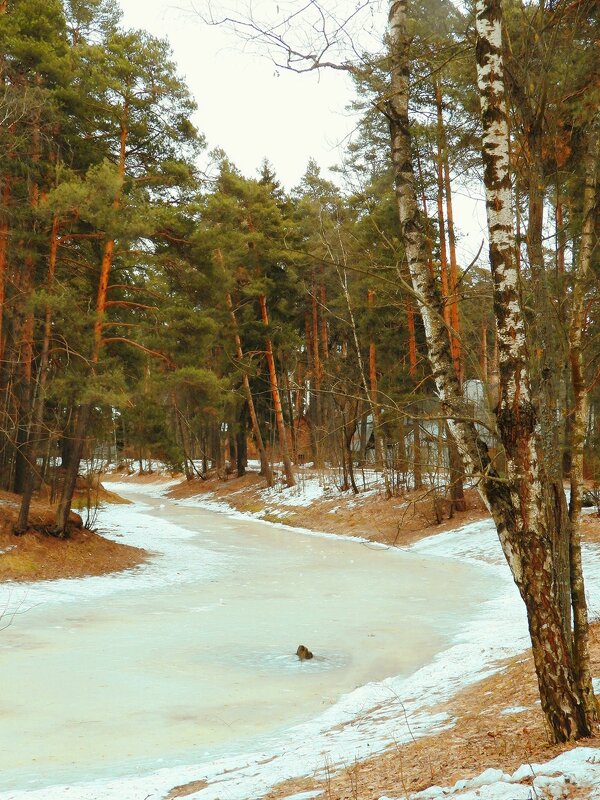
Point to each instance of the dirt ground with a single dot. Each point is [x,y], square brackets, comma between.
[35,556]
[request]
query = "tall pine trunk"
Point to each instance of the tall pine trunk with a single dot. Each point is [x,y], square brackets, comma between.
[310,385]
[4,230]
[453,272]
[279,421]
[290,408]
[483,354]
[35,432]
[72,471]
[374,391]
[457,494]
[265,466]
[343,278]
[66,498]
[412,361]
[581,652]
[317,375]
[24,385]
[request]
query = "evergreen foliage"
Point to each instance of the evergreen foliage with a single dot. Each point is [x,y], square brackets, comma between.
[132,287]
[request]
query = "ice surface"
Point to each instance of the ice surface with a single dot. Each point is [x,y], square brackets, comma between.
[362,721]
[189,658]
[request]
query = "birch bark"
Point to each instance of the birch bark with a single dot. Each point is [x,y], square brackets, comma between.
[516,501]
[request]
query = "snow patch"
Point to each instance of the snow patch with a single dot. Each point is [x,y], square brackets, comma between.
[305,493]
[173,559]
[577,768]
[305,795]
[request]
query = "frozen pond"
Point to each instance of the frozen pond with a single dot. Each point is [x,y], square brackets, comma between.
[122,675]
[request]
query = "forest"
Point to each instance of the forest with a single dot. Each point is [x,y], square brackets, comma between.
[157,306]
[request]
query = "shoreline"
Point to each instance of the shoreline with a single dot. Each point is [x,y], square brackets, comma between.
[35,556]
[342,782]
[441,682]
[316,504]
[346,730]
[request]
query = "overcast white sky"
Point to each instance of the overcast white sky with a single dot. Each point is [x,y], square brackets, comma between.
[252,111]
[243,105]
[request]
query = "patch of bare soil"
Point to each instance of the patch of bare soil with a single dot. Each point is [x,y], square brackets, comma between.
[186,789]
[35,556]
[395,521]
[498,723]
[590,528]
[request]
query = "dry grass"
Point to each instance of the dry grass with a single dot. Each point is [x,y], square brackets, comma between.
[186,789]
[35,556]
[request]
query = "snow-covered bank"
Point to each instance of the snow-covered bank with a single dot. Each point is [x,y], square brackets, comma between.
[364,721]
[179,561]
[308,492]
[575,771]
[209,503]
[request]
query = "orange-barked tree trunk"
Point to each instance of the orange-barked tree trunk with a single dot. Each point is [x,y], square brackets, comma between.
[70,479]
[25,345]
[416,424]
[35,431]
[279,421]
[317,375]
[449,288]
[4,231]
[265,466]
[374,391]
[453,272]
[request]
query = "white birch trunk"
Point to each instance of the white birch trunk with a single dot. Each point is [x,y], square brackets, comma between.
[516,502]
